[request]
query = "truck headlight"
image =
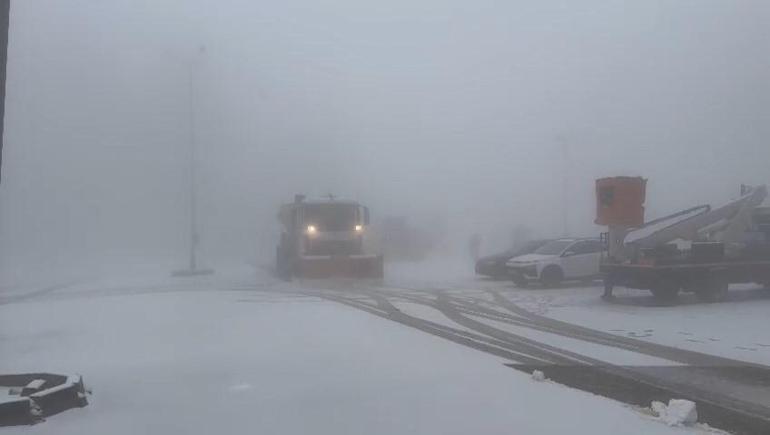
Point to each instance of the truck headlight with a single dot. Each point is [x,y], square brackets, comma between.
[359,228]
[311,230]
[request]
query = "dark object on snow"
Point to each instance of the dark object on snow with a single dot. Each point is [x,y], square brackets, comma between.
[494,265]
[41,395]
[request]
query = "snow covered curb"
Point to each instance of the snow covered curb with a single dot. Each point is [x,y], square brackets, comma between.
[678,412]
[604,381]
[33,404]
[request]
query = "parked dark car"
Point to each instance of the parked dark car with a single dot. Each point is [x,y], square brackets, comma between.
[494,265]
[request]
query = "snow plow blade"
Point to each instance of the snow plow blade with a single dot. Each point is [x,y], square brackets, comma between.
[353,266]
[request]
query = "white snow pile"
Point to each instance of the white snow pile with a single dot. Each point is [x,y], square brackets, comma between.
[538,376]
[678,412]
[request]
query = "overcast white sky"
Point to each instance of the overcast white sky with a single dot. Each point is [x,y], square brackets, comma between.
[456,110]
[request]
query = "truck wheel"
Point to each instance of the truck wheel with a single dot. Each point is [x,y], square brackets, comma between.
[609,285]
[282,264]
[665,291]
[713,290]
[551,276]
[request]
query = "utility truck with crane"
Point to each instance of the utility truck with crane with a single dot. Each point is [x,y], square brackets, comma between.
[324,238]
[699,250]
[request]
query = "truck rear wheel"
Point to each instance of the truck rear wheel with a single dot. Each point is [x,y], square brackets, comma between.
[713,290]
[665,290]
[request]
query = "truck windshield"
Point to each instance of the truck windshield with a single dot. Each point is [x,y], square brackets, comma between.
[331,217]
[553,248]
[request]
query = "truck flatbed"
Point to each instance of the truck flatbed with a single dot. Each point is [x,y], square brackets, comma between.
[708,280]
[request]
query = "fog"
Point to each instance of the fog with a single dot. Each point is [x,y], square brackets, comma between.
[475,116]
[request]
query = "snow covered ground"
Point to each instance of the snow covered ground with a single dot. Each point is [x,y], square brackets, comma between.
[234,354]
[734,328]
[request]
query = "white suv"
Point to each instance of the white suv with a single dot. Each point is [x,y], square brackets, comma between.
[557,261]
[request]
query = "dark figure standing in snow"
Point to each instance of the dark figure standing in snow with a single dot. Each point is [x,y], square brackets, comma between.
[474,246]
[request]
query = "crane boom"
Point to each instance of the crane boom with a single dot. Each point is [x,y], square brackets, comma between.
[725,224]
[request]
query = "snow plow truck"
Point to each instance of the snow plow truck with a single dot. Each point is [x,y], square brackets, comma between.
[324,238]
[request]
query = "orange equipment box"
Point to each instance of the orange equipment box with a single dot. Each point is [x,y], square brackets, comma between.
[620,201]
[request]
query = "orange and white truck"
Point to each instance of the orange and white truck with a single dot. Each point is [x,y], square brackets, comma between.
[699,250]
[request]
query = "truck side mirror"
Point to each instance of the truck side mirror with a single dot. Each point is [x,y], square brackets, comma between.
[366,215]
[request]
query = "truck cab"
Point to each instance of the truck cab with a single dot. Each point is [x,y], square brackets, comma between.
[325,237]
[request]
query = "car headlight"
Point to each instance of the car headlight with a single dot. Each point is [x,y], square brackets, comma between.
[311,230]
[359,228]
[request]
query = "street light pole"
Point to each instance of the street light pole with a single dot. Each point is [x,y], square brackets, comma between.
[193,182]
[194,236]
[5,7]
